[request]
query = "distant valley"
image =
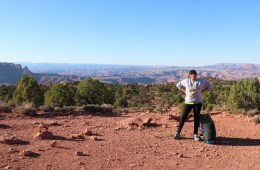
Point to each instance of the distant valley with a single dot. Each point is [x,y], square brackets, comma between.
[46,73]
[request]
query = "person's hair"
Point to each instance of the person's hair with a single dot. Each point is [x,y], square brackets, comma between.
[192,72]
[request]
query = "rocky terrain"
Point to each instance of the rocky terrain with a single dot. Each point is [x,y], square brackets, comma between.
[125,141]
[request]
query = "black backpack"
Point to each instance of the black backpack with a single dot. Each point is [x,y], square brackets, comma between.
[208,129]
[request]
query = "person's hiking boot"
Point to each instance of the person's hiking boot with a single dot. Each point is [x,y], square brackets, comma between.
[196,137]
[177,136]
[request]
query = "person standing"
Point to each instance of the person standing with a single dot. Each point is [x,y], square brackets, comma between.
[193,88]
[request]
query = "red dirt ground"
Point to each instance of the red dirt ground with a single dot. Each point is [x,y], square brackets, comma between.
[121,147]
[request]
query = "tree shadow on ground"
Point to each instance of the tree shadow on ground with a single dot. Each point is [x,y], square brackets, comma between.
[3,126]
[228,141]
[79,113]
[34,155]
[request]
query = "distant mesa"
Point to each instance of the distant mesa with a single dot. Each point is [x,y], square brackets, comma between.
[46,73]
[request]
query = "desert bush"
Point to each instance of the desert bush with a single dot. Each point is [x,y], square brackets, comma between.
[253,112]
[244,95]
[59,95]
[92,91]
[5,108]
[180,106]
[11,104]
[46,108]
[28,90]
[26,109]
[257,119]
[210,107]
[6,93]
[121,102]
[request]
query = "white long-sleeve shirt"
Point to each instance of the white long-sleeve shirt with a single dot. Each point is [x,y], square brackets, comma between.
[193,89]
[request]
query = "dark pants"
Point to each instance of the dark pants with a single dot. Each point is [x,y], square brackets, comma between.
[185,112]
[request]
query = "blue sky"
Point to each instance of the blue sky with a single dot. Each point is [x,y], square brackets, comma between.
[139,32]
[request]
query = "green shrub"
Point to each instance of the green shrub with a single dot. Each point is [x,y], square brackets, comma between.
[210,107]
[28,90]
[59,95]
[5,109]
[26,109]
[180,106]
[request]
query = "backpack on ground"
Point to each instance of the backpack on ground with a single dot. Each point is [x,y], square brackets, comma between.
[208,129]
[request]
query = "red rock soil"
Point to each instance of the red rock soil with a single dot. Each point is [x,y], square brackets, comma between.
[121,147]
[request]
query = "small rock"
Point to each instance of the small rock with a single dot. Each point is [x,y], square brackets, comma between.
[147,120]
[87,132]
[181,155]
[12,150]
[44,135]
[76,136]
[164,126]
[8,167]
[93,138]
[53,143]
[85,123]
[26,152]
[82,163]
[79,153]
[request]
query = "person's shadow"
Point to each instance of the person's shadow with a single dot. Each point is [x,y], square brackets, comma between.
[237,141]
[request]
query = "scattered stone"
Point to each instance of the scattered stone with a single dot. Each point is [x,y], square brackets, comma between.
[44,135]
[147,120]
[26,152]
[82,163]
[85,123]
[53,143]
[79,153]
[53,123]
[181,155]
[43,125]
[42,129]
[87,132]
[12,150]
[164,126]
[93,138]
[133,122]
[76,136]
[117,128]
[8,167]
